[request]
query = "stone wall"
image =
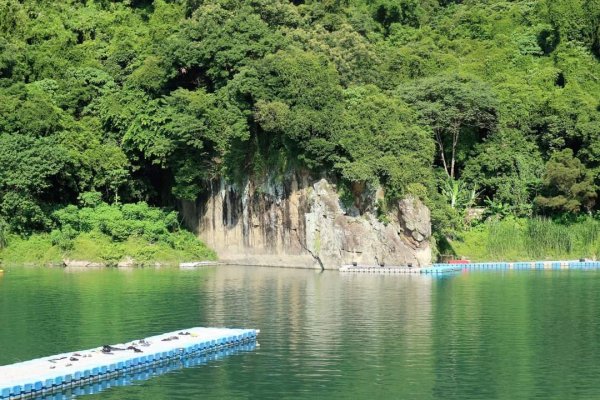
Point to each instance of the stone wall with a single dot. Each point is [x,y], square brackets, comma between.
[300,222]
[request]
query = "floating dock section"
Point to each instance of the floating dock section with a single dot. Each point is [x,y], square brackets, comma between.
[138,375]
[437,269]
[372,269]
[196,264]
[86,368]
[530,265]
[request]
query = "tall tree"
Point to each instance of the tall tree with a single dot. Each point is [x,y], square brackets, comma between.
[569,185]
[459,110]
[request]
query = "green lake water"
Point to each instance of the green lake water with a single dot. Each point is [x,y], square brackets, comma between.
[479,335]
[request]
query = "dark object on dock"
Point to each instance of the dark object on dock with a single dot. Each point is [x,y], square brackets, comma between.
[409,265]
[106,349]
[382,264]
[354,263]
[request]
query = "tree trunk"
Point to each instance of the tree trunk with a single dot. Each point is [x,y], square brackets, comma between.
[438,139]
[455,135]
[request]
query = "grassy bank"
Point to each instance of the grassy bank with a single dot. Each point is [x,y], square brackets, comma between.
[97,247]
[530,239]
[106,233]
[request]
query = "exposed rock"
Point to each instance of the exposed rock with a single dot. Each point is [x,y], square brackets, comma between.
[81,264]
[127,262]
[297,222]
[415,218]
[474,214]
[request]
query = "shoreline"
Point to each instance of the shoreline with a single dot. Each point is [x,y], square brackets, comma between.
[512,265]
[85,264]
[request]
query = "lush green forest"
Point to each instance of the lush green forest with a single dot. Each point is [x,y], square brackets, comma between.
[486,103]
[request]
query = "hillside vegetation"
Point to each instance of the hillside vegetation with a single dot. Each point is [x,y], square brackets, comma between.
[463,103]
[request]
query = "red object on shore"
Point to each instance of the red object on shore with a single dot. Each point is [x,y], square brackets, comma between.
[459,261]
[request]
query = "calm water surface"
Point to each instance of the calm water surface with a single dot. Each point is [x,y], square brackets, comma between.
[484,335]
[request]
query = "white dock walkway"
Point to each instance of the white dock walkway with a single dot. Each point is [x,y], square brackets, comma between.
[53,373]
[375,269]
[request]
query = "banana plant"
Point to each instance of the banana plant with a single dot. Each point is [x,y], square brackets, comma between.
[458,194]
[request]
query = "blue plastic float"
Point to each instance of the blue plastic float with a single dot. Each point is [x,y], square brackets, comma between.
[47,375]
[130,376]
[533,265]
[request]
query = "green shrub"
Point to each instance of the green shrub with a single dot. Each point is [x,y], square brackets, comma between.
[36,249]
[24,214]
[382,212]
[118,221]
[63,238]
[345,194]
[4,232]
[111,254]
[90,199]
[145,254]
[195,249]
[99,232]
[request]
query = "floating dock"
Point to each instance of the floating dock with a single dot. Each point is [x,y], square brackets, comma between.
[138,375]
[196,264]
[373,269]
[60,372]
[529,265]
[436,269]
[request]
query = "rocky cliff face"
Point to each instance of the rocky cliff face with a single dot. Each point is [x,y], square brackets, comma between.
[302,223]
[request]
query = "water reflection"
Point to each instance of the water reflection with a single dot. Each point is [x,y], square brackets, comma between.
[512,334]
[517,334]
[331,328]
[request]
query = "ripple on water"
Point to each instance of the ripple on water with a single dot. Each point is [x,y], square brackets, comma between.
[324,335]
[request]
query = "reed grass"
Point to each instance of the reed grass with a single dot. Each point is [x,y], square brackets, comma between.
[546,238]
[531,239]
[505,239]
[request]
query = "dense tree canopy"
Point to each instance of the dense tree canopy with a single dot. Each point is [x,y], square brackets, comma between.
[141,98]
